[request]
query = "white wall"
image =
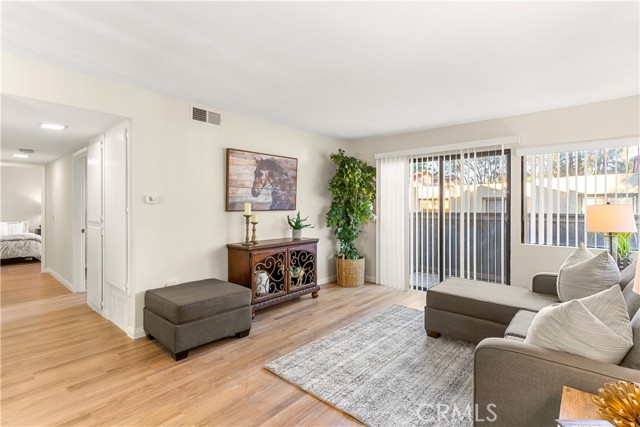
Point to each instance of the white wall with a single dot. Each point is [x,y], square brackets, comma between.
[610,119]
[59,218]
[21,194]
[183,238]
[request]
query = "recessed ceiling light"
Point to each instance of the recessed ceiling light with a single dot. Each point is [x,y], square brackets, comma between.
[20,155]
[52,126]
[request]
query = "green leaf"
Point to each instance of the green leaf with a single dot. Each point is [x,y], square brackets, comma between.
[297,223]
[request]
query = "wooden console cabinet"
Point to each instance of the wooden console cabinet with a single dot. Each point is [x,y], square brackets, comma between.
[275,270]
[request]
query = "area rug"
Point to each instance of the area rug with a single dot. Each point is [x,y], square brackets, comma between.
[384,371]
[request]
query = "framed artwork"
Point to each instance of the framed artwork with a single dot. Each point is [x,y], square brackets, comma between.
[266,181]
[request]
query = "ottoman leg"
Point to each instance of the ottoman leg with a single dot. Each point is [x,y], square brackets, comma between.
[244,333]
[433,334]
[180,355]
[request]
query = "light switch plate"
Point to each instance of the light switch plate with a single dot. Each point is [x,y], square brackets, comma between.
[152,200]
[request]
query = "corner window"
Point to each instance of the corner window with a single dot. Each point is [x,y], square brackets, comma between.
[558,187]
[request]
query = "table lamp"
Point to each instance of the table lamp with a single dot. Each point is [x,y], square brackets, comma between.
[611,219]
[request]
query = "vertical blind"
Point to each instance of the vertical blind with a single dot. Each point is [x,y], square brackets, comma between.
[443,211]
[391,226]
[559,185]
[459,216]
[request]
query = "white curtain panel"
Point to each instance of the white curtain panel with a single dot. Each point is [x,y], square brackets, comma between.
[392,257]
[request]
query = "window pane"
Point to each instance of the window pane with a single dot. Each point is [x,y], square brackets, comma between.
[558,187]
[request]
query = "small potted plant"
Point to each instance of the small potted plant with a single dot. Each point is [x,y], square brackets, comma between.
[297,224]
[624,250]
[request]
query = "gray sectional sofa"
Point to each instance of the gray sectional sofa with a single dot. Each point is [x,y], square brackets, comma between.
[523,381]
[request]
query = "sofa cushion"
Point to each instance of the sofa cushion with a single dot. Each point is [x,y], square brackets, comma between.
[627,275]
[631,299]
[596,327]
[520,324]
[588,277]
[196,300]
[632,359]
[487,301]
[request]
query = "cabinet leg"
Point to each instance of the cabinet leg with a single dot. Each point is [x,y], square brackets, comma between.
[315,294]
[253,315]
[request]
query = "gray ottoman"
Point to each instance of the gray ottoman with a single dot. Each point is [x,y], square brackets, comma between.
[185,316]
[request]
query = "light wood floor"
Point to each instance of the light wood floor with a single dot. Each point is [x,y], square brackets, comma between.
[63,364]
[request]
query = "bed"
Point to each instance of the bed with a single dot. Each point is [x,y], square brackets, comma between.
[17,242]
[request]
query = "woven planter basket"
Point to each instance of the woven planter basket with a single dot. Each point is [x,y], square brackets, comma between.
[350,272]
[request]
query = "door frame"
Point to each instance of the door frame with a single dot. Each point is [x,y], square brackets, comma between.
[79,179]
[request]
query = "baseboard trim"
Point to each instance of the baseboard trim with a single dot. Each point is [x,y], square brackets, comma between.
[326,280]
[135,333]
[60,279]
[370,279]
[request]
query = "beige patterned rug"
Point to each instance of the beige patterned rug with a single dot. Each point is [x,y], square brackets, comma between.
[384,371]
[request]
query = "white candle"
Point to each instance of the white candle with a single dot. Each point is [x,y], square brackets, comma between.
[254,218]
[247,208]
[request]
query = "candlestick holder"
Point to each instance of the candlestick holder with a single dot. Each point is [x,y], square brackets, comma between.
[254,238]
[246,237]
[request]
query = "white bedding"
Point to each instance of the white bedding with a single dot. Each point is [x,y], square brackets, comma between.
[26,245]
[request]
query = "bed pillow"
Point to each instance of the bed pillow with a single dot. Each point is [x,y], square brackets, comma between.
[583,274]
[15,227]
[596,327]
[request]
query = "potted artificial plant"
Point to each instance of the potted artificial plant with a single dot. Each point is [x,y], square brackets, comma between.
[353,188]
[297,224]
[624,250]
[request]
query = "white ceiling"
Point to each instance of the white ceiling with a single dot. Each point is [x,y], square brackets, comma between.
[19,129]
[345,69]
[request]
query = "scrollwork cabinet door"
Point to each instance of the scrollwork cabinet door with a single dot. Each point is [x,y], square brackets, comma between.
[302,267]
[268,274]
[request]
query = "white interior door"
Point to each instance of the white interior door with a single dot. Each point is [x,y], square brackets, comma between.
[116,208]
[94,233]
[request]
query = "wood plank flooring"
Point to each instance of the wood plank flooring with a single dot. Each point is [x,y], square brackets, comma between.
[63,364]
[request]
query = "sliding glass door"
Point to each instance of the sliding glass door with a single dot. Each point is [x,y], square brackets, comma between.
[459,217]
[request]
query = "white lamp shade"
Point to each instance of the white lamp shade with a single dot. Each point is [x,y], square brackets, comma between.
[611,219]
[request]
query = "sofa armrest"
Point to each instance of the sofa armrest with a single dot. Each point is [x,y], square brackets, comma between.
[545,283]
[524,381]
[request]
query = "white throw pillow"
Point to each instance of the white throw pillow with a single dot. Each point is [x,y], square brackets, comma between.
[583,274]
[596,327]
[580,254]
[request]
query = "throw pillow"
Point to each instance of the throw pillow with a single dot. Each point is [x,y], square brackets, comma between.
[631,299]
[628,274]
[580,277]
[580,254]
[596,327]
[632,359]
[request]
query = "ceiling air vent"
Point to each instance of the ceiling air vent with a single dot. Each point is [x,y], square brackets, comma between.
[204,116]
